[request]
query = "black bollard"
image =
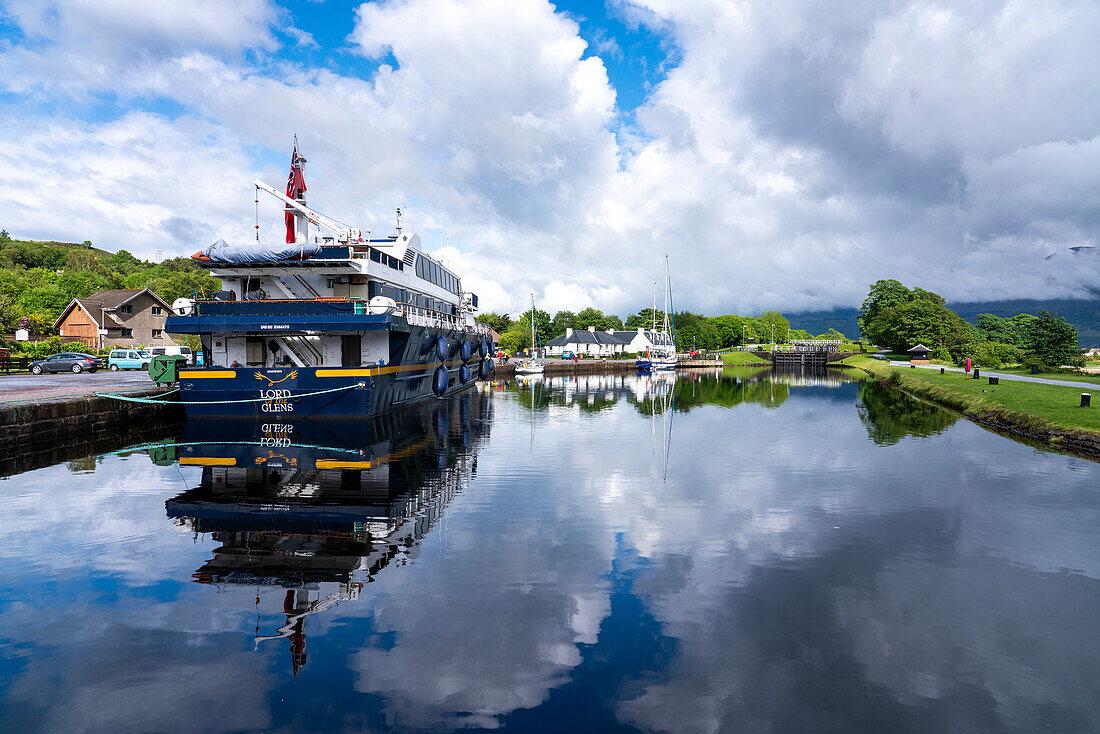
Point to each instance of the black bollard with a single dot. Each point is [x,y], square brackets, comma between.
[994,380]
[941,370]
[975,373]
[1034,368]
[1086,400]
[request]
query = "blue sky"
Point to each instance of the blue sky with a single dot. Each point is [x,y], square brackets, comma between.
[785,154]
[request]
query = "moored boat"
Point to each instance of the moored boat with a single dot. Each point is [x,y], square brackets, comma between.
[342,325]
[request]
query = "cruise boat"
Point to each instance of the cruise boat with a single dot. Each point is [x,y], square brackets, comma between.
[337,325]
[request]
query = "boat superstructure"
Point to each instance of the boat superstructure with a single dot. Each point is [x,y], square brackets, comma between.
[337,325]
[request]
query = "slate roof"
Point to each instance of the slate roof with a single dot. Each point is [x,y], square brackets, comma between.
[584,336]
[97,304]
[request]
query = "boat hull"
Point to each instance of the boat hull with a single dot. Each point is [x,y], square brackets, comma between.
[284,392]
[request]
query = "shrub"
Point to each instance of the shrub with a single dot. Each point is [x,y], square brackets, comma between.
[997,354]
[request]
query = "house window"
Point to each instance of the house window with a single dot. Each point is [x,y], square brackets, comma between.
[126,309]
[127,333]
[156,333]
[156,310]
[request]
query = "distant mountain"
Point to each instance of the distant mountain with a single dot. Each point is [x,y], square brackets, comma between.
[1083,314]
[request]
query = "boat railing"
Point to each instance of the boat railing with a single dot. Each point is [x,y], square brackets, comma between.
[417,315]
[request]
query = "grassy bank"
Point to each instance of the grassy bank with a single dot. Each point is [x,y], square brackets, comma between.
[1049,413]
[742,358]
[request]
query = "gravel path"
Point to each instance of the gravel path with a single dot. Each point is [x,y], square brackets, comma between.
[1003,376]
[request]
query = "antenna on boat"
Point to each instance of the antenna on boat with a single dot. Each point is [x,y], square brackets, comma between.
[398,220]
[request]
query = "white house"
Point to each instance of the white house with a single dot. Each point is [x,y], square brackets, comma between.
[606,343]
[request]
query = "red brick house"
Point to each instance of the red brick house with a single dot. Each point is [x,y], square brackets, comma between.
[130,318]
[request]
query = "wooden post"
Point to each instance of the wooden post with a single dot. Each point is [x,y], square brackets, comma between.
[941,370]
[1086,400]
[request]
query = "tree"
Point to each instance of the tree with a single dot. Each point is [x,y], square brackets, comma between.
[1053,340]
[4,235]
[123,262]
[922,321]
[595,317]
[497,322]
[695,330]
[644,319]
[773,325]
[883,294]
[1013,330]
[562,320]
[512,341]
[729,329]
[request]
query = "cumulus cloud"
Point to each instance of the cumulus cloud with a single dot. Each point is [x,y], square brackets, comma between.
[795,151]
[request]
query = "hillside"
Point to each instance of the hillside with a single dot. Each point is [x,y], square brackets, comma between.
[1083,314]
[38,279]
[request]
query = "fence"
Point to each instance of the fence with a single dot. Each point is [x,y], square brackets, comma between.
[16,364]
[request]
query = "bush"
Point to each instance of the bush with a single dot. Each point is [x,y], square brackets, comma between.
[997,354]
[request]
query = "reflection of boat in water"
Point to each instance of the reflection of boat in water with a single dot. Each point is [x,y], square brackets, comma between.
[318,509]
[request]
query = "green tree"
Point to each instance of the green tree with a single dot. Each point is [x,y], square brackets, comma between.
[694,331]
[922,321]
[562,320]
[495,321]
[772,324]
[1053,340]
[595,317]
[729,329]
[644,319]
[123,262]
[883,294]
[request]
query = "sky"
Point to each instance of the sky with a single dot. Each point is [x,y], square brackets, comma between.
[783,154]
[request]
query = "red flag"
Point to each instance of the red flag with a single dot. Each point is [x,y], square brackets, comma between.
[295,187]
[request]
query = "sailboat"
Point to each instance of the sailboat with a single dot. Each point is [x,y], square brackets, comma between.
[531,366]
[662,355]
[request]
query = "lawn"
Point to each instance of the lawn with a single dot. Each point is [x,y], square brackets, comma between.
[742,358]
[1023,402]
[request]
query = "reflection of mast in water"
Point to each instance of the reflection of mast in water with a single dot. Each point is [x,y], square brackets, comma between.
[320,509]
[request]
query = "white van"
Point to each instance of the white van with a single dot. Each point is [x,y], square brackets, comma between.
[185,351]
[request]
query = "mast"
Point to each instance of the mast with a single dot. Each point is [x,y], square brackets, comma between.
[668,304]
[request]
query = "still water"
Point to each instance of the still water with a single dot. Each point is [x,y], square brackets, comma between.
[715,552]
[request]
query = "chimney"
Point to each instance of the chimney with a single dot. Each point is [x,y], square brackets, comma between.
[592,328]
[568,332]
[610,331]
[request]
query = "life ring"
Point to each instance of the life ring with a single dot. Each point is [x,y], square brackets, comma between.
[440,380]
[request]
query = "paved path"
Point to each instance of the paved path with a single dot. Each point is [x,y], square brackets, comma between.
[1003,376]
[27,388]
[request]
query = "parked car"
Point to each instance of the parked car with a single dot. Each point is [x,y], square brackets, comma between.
[185,351]
[66,362]
[128,359]
[567,354]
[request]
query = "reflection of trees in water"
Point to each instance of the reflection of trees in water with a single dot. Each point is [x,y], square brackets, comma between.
[730,392]
[890,415]
[689,391]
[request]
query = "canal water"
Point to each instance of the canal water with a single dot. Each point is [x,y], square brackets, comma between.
[712,552]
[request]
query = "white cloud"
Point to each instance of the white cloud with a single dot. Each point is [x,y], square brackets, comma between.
[797,152]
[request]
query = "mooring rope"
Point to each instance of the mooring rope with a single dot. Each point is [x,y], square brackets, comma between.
[226,402]
[53,398]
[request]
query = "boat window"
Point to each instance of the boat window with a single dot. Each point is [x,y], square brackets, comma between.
[374,288]
[420,267]
[375,255]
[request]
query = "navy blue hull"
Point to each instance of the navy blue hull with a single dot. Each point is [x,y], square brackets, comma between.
[285,392]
